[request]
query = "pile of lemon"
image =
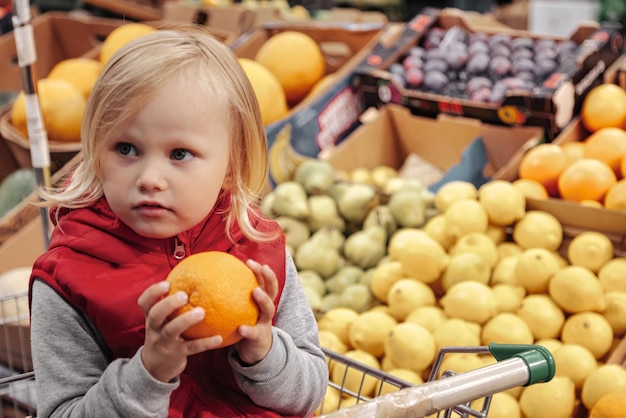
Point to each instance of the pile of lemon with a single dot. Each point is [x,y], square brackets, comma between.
[482,270]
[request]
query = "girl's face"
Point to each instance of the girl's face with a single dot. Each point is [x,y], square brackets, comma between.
[163,170]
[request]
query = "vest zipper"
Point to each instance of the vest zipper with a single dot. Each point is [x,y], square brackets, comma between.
[179,249]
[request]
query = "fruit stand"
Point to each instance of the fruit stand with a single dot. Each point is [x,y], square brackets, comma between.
[445,183]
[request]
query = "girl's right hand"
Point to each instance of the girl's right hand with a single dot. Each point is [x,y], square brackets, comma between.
[165,349]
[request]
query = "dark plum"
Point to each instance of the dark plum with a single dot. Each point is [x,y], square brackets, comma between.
[477,47]
[411,61]
[544,68]
[521,65]
[436,64]
[481,95]
[478,83]
[498,93]
[434,53]
[526,75]
[435,80]
[478,36]
[397,68]
[522,53]
[457,59]
[500,66]
[499,38]
[545,54]
[544,43]
[477,63]
[521,42]
[398,79]
[414,77]
[417,51]
[500,50]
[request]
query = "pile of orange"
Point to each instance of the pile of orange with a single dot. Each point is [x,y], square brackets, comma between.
[592,171]
[222,285]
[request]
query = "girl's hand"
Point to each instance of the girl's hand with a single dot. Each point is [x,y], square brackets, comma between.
[257,340]
[165,350]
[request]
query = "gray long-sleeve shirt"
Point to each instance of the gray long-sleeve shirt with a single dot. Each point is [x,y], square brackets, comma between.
[74,378]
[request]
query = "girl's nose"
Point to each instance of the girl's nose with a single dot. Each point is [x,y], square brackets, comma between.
[151,178]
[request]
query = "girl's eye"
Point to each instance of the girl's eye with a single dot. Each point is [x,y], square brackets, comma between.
[125,148]
[180,154]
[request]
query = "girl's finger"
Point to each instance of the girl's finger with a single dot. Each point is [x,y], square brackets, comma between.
[159,313]
[266,305]
[151,295]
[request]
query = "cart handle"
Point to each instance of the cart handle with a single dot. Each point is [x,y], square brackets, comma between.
[541,366]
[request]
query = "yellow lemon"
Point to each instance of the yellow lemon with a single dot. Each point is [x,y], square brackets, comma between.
[615,312]
[435,227]
[369,331]
[430,317]
[354,379]
[590,330]
[544,318]
[576,289]
[464,217]
[410,346]
[471,301]
[552,344]
[338,321]
[538,229]
[422,257]
[457,332]
[466,266]
[508,249]
[574,361]
[504,272]
[408,376]
[590,249]
[460,363]
[607,378]
[454,191]
[383,277]
[611,275]
[503,405]
[477,243]
[503,202]
[406,295]
[554,399]
[534,269]
[508,297]
[506,328]
[330,402]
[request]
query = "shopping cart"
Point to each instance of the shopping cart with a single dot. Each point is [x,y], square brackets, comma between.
[17,379]
[516,365]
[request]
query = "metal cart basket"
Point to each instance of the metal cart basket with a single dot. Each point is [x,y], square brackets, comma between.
[517,365]
[17,379]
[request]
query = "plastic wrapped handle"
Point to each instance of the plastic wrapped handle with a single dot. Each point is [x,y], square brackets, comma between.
[523,366]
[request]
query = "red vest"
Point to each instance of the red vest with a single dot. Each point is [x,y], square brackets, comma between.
[100,266]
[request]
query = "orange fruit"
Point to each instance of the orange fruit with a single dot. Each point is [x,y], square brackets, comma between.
[82,72]
[62,109]
[604,106]
[268,91]
[531,188]
[607,145]
[616,196]
[120,36]
[574,150]
[544,163]
[222,285]
[611,405]
[296,60]
[586,179]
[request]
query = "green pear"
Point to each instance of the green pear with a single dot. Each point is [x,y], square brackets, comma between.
[381,215]
[322,212]
[312,279]
[365,248]
[296,231]
[290,199]
[356,202]
[316,176]
[357,297]
[408,208]
[318,254]
[267,203]
[342,278]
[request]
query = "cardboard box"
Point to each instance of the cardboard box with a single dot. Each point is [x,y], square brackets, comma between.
[324,119]
[132,9]
[616,73]
[550,105]
[395,134]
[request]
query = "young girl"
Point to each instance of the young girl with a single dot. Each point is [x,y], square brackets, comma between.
[174,158]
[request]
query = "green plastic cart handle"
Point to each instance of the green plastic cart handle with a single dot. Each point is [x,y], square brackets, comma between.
[538,359]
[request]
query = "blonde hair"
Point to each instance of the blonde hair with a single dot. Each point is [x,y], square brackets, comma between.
[132,77]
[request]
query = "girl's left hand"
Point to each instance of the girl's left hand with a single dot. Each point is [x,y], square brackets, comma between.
[257,340]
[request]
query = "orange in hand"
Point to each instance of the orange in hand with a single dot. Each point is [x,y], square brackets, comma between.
[544,164]
[586,179]
[222,285]
[607,145]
